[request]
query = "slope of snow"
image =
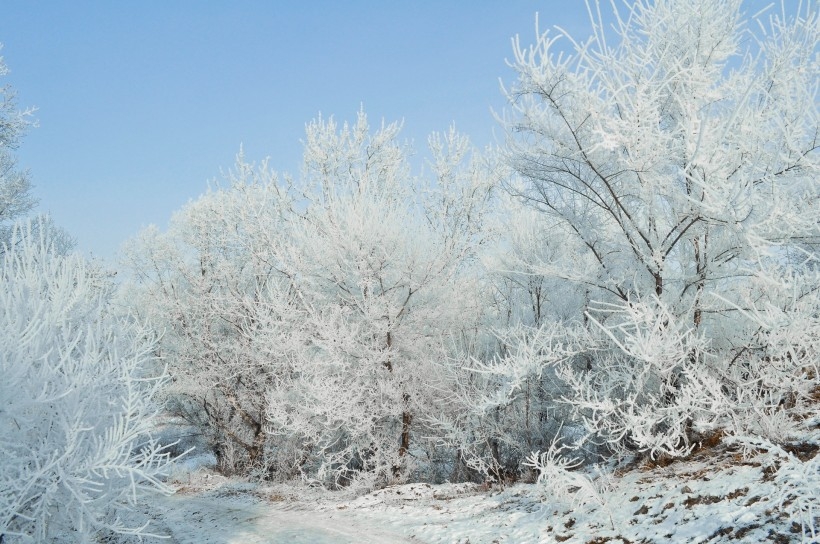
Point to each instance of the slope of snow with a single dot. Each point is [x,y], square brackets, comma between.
[712,499]
[718,496]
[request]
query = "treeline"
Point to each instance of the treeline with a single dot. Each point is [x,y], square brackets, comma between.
[632,272]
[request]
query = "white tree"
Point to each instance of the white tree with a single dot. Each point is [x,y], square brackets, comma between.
[198,284]
[308,319]
[385,262]
[502,418]
[76,452]
[15,185]
[679,151]
[16,198]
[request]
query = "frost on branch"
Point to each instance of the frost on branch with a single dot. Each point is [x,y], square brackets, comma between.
[15,185]
[634,395]
[679,155]
[556,470]
[798,482]
[308,320]
[75,400]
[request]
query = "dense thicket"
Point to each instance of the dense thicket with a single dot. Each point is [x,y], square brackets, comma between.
[647,275]
[308,323]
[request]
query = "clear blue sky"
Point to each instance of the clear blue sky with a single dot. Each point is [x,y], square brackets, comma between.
[141,103]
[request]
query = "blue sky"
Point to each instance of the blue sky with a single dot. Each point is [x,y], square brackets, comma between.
[140,104]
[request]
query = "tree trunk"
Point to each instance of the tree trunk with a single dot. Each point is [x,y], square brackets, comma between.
[406,420]
[700,270]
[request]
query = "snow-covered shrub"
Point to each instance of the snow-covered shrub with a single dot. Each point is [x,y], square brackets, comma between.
[75,400]
[624,381]
[655,384]
[556,470]
[506,404]
[634,395]
[797,481]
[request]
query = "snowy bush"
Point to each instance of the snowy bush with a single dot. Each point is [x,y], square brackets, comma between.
[556,470]
[16,199]
[75,400]
[506,404]
[798,481]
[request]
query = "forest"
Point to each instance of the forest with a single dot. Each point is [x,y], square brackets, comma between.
[631,276]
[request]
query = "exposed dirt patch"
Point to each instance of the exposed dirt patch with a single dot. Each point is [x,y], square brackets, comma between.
[714,499]
[737,493]
[724,531]
[751,501]
[802,450]
[779,538]
[743,531]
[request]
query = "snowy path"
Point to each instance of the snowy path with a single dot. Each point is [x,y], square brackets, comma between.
[717,496]
[243,520]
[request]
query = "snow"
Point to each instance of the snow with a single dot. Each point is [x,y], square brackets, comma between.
[244,519]
[717,496]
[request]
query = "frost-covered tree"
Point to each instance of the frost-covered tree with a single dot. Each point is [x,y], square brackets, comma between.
[677,153]
[306,321]
[15,185]
[16,199]
[76,453]
[201,284]
[385,263]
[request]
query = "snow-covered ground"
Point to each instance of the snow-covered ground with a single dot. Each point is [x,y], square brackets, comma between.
[717,496]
